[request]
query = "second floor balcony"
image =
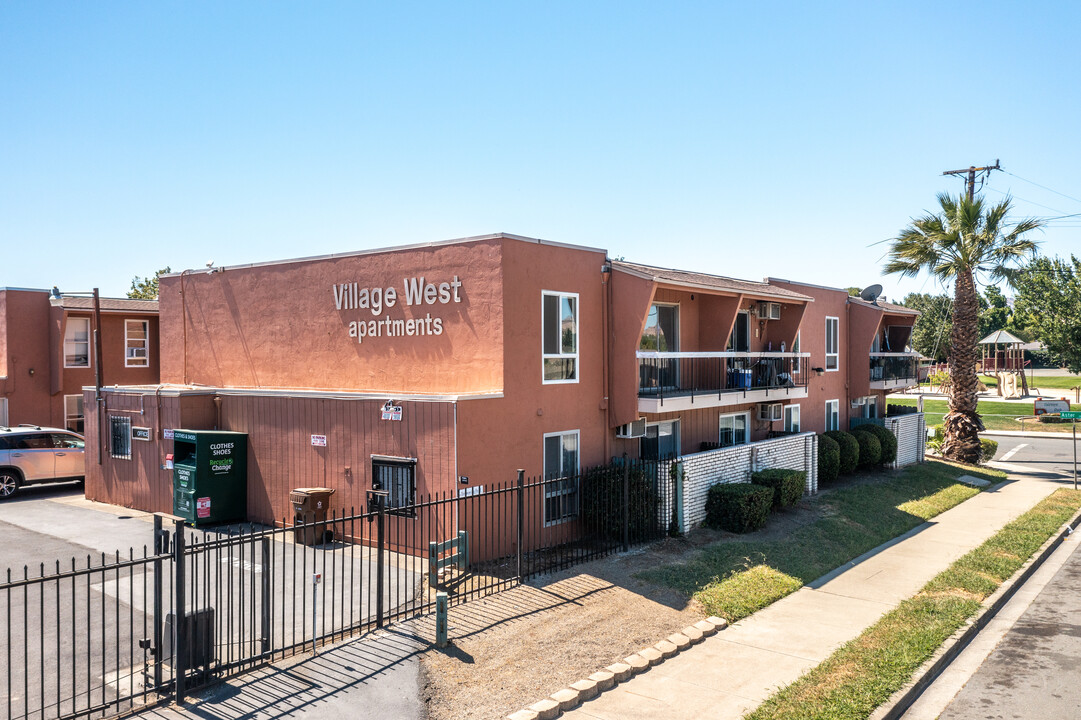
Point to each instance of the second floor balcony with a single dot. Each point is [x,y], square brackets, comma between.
[894,370]
[672,381]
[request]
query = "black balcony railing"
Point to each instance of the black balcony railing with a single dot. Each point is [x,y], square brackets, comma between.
[679,374]
[894,366]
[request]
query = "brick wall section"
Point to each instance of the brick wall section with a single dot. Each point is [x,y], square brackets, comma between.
[911,433]
[735,464]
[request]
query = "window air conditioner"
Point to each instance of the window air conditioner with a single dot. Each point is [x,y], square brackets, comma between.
[769,310]
[634,429]
[770,412]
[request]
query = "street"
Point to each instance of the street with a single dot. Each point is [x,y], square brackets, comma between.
[1023,664]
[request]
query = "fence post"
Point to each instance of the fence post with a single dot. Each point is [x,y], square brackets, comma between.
[626,504]
[160,547]
[441,605]
[266,595]
[521,518]
[463,550]
[433,564]
[180,619]
[380,522]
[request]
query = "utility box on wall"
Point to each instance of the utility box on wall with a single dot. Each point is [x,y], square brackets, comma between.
[210,476]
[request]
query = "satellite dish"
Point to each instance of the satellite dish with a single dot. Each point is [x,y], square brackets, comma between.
[871,294]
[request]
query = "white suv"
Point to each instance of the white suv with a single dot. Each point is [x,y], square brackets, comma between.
[30,454]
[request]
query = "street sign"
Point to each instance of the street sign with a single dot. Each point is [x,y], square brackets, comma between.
[1070,415]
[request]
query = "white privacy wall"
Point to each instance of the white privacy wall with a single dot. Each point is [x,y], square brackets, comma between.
[735,465]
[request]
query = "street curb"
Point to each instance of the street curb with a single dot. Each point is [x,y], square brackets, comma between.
[1019,433]
[571,697]
[903,699]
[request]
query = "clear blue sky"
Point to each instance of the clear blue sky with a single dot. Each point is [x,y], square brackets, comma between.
[747,139]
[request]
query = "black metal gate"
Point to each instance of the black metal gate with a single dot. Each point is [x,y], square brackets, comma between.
[101,636]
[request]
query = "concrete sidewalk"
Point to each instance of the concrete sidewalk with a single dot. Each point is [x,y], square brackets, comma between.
[735,670]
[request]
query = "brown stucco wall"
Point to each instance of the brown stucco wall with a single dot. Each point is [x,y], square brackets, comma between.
[501,435]
[25,330]
[828,302]
[279,326]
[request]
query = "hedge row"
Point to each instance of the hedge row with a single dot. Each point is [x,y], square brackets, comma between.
[745,507]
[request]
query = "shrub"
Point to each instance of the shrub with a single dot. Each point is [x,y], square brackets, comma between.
[787,485]
[850,450]
[601,498]
[886,439]
[738,507]
[1049,418]
[990,447]
[870,449]
[829,459]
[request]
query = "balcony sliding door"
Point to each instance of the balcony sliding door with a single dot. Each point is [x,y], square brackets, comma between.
[661,334]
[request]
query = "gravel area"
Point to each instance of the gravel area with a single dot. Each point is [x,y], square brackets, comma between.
[513,649]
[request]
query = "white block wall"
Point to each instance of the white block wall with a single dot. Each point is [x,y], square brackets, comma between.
[911,433]
[735,464]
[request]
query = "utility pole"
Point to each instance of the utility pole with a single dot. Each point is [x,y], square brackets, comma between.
[970,181]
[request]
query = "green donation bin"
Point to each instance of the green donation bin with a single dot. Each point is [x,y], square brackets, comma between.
[210,476]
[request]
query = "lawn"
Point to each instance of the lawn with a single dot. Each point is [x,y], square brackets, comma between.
[1056,382]
[865,672]
[996,415]
[735,577]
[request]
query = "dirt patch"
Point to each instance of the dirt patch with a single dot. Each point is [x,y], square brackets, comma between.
[512,649]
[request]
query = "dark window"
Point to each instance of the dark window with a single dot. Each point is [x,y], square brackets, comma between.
[740,339]
[120,437]
[63,441]
[7,443]
[399,479]
[34,442]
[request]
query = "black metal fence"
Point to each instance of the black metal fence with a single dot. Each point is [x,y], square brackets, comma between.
[661,376]
[98,637]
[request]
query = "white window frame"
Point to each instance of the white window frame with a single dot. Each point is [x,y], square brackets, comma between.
[128,359]
[796,360]
[746,415]
[834,414]
[836,354]
[792,412]
[577,338]
[71,341]
[76,417]
[559,483]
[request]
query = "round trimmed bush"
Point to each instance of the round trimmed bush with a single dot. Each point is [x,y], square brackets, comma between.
[850,450]
[829,459]
[886,439]
[870,449]
[989,447]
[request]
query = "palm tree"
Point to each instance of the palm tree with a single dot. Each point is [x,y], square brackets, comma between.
[963,244]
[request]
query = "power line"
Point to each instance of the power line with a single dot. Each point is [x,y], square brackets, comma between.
[1044,187]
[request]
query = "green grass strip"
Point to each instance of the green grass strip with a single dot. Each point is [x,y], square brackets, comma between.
[736,577]
[865,672]
[995,415]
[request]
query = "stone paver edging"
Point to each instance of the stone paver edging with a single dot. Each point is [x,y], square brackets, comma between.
[903,699]
[578,692]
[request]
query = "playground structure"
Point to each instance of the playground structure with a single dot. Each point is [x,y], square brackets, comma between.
[1003,355]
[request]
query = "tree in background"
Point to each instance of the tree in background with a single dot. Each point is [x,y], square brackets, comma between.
[146,288]
[1049,301]
[957,245]
[931,333]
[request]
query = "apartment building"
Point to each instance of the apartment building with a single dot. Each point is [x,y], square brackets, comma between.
[48,352]
[446,367]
